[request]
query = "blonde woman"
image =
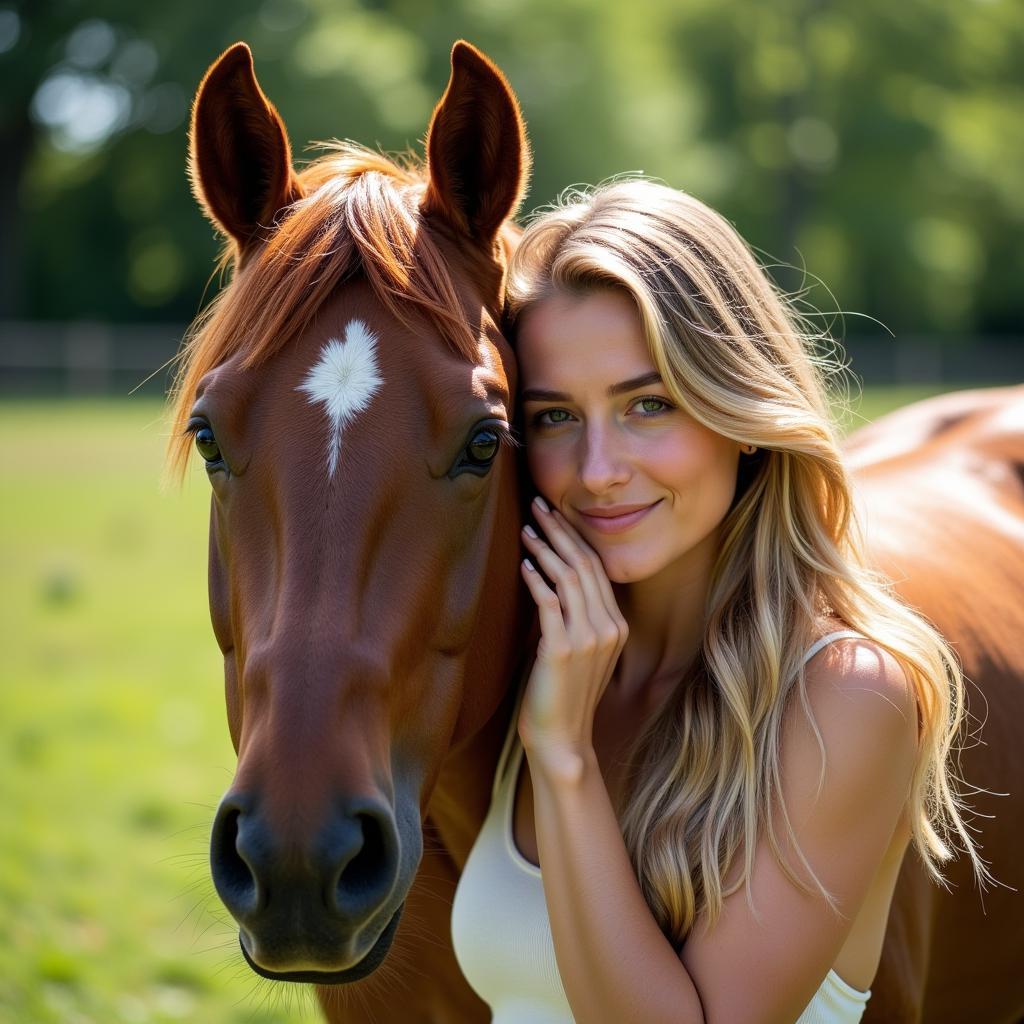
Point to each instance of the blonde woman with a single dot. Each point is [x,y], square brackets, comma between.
[732,731]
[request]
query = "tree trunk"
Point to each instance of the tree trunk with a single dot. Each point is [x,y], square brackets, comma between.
[16,147]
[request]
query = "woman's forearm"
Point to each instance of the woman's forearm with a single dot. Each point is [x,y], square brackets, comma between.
[615,963]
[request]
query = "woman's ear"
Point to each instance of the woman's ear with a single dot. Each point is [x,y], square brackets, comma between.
[478,158]
[240,161]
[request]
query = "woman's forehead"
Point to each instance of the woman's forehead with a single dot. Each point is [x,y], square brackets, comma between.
[592,336]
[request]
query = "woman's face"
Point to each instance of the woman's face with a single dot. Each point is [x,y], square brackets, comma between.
[644,483]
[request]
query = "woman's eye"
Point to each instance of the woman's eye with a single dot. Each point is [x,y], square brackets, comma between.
[549,417]
[206,444]
[652,406]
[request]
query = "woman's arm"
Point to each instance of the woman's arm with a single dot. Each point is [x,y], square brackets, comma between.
[763,966]
[615,964]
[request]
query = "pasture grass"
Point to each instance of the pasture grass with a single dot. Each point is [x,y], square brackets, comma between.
[113,743]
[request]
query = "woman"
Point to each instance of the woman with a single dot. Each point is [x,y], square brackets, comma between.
[732,730]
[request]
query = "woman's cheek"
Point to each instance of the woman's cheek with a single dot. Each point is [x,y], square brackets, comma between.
[682,458]
[700,451]
[546,467]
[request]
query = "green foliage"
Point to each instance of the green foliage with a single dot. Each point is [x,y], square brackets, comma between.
[877,144]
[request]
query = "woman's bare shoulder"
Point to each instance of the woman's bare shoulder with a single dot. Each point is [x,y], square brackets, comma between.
[865,713]
[860,670]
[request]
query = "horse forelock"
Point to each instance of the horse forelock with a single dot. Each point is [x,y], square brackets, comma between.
[359,214]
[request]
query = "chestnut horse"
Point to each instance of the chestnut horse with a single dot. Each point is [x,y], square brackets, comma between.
[363,583]
[941,494]
[351,394]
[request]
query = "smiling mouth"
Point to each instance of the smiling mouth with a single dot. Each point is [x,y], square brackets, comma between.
[373,959]
[617,524]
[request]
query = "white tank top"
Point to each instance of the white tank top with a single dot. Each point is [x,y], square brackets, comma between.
[501,931]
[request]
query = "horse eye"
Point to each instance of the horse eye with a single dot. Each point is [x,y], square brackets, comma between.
[479,454]
[482,447]
[206,444]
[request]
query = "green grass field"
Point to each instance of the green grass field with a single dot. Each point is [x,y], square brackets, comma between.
[113,744]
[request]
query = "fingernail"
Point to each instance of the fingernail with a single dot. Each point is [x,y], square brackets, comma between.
[541,504]
[529,565]
[530,532]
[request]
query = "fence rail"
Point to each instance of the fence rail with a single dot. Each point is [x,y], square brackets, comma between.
[89,358]
[86,358]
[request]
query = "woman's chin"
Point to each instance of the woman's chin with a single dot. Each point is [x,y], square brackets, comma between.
[623,569]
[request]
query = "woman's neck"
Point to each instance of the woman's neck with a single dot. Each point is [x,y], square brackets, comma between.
[665,614]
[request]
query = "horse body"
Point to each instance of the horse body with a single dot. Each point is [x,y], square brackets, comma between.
[941,486]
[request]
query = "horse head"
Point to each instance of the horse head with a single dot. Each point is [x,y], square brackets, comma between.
[351,395]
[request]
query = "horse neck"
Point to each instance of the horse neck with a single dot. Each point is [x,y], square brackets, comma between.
[462,795]
[459,802]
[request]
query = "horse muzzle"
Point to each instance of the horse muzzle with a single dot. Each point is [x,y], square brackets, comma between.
[323,910]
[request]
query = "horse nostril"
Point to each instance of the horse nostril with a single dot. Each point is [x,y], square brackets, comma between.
[365,850]
[364,869]
[232,877]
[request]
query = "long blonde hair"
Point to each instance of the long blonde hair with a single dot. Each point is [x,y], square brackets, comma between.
[734,354]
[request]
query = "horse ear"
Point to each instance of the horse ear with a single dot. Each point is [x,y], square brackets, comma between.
[477,154]
[240,162]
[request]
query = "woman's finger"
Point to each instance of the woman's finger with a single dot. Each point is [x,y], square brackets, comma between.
[563,538]
[593,577]
[549,608]
[578,554]
[590,628]
[567,582]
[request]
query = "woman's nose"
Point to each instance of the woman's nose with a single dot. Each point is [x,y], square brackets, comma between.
[603,462]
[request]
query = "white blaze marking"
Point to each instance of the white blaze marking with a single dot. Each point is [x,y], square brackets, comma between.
[344,378]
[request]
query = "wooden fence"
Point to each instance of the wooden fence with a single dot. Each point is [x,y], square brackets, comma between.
[88,358]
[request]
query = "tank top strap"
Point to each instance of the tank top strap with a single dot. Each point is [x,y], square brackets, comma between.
[838,634]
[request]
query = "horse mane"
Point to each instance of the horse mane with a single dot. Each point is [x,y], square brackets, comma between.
[358,214]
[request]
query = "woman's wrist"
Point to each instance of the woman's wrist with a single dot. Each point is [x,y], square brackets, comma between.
[560,764]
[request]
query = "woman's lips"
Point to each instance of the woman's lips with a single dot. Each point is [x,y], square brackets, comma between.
[603,522]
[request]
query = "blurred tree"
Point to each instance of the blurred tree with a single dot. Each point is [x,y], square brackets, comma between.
[878,144]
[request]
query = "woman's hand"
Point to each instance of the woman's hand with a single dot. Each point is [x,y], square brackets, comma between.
[582,636]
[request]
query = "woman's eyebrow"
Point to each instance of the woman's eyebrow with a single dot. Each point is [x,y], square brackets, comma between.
[543,395]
